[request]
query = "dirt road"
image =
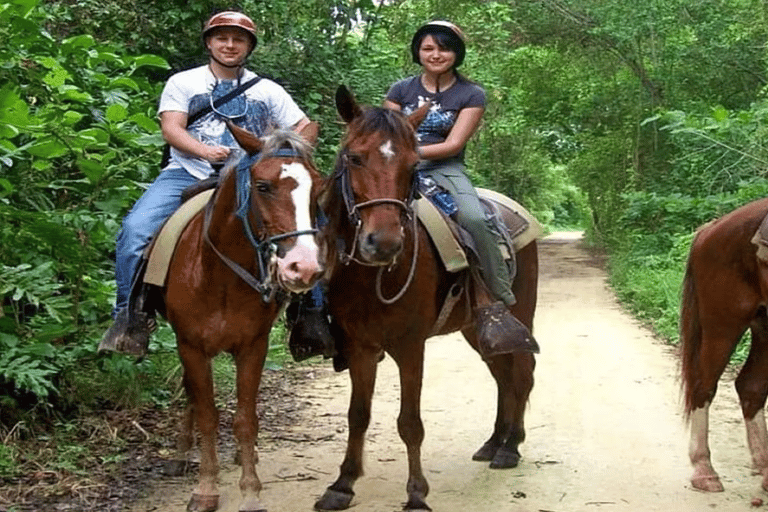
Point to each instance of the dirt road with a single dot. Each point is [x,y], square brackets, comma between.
[604,425]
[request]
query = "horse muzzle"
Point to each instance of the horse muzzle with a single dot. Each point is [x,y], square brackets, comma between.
[300,269]
[381,248]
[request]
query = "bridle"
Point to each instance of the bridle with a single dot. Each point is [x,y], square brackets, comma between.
[264,245]
[343,180]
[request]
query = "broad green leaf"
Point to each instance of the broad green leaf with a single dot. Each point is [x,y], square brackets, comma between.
[70,92]
[150,60]
[81,41]
[145,122]
[71,117]
[116,113]
[124,82]
[8,131]
[48,148]
[150,140]
[92,170]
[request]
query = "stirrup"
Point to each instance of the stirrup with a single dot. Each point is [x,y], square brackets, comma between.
[499,332]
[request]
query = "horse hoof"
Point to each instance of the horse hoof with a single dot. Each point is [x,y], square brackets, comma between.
[251,506]
[334,500]
[415,504]
[505,458]
[486,452]
[709,483]
[203,503]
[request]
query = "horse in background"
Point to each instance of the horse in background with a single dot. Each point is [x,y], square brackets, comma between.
[725,292]
[227,280]
[387,289]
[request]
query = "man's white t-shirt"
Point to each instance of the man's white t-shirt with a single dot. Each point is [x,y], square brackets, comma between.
[262,107]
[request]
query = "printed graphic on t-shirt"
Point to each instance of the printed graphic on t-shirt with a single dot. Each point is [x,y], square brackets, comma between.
[438,122]
[253,115]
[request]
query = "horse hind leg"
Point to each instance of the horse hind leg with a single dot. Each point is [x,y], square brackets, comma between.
[513,374]
[752,388]
[184,444]
[701,388]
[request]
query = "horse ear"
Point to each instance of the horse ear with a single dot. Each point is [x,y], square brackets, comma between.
[310,133]
[250,142]
[418,115]
[346,104]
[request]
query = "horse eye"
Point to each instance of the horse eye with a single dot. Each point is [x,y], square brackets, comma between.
[356,160]
[263,187]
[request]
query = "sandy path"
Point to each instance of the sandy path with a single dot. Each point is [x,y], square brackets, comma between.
[604,425]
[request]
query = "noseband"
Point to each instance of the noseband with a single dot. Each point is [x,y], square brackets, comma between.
[264,245]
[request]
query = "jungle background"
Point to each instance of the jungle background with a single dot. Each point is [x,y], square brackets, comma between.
[635,123]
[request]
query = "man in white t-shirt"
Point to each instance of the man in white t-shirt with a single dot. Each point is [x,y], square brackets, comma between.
[195,150]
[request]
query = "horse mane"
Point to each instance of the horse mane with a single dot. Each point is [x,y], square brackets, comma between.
[391,123]
[286,139]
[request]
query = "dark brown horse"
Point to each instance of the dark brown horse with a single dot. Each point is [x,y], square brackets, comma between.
[725,292]
[370,212]
[255,238]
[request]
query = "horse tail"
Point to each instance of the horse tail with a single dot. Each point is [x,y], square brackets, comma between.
[690,334]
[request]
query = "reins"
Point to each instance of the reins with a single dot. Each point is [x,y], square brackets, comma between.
[265,246]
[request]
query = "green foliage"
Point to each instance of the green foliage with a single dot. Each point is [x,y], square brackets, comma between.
[637,123]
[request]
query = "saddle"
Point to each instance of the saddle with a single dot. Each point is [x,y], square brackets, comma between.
[453,243]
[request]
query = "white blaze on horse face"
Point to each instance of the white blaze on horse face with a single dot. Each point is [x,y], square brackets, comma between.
[300,265]
[386,150]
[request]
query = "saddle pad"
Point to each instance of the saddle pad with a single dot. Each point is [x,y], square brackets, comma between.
[760,239]
[451,252]
[162,248]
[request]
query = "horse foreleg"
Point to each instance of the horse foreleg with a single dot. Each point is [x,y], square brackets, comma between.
[411,428]
[362,372]
[199,383]
[246,426]
[704,476]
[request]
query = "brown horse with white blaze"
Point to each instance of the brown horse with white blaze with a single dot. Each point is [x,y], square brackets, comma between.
[233,264]
[386,293]
[725,292]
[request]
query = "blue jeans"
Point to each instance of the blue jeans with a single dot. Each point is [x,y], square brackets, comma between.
[160,200]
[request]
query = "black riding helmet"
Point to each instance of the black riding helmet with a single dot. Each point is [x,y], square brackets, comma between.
[446,33]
